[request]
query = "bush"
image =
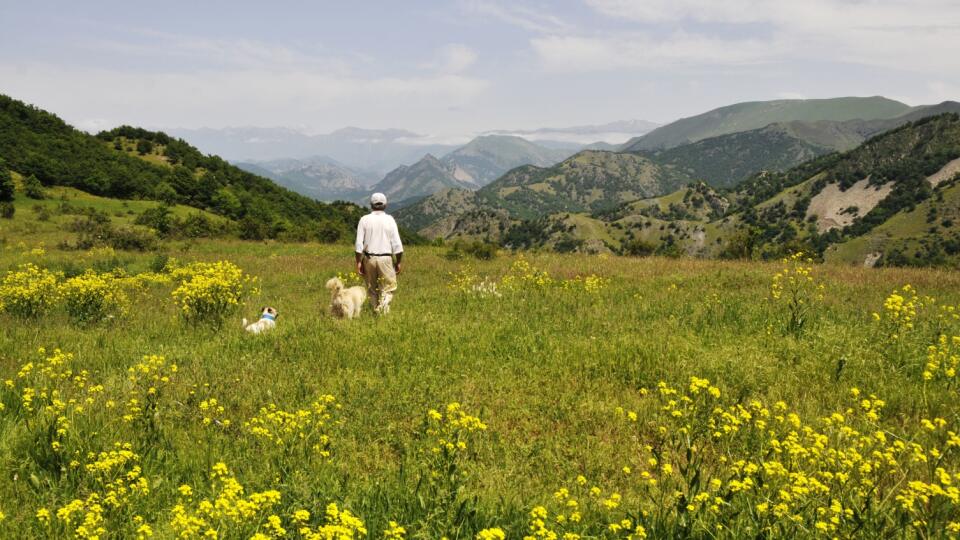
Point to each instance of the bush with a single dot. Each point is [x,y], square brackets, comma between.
[92,297]
[6,184]
[209,291]
[159,218]
[33,189]
[159,262]
[28,292]
[132,239]
[483,251]
[639,248]
[7,210]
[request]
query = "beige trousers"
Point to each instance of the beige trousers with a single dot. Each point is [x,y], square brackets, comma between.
[381,281]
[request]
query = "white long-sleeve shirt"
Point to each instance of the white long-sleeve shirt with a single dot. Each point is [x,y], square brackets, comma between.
[377,234]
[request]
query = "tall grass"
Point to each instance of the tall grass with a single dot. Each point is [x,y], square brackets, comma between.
[544,368]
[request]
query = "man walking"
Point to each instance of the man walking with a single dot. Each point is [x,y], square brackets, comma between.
[378,253]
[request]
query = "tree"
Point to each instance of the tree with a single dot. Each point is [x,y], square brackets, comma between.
[165,193]
[159,218]
[33,188]
[6,184]
[226,203]
[144,147]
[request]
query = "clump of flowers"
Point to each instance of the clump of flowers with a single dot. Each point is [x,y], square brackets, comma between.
[29,291]
[147,381]
[146,279]
[448,435]
[943,360]
[522,273]
[467,282]
[710,467]
[794,290]
[227,511]
[49,395]
[93,297]
[521,276]
[116,482]
[590,284]
[303,428]
[578,511]
[343,525]
[209,291]
[897,321]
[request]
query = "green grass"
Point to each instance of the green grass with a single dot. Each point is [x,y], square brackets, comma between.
[544,369]
[26,225]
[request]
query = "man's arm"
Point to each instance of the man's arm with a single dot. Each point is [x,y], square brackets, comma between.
[358,247]
[396,246]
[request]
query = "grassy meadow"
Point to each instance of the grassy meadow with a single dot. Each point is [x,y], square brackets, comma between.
[562,373]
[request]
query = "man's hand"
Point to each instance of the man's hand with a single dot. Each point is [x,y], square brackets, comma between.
[360,267]
[396,267]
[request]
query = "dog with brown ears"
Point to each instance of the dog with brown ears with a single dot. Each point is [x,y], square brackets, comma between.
[345,302]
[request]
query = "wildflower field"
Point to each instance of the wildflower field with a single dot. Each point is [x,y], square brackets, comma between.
[534,396]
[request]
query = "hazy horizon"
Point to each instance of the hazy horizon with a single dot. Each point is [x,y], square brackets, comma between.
[451,69]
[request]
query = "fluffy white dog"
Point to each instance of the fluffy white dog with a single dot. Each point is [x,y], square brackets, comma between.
[345,302]
[268,321]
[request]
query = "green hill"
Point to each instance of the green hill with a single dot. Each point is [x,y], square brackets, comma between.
[591,180]
[726,160]
[758,114]
[132,163]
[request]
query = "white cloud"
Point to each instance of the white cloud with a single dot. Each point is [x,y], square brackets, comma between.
[809,14]
[921,35]
[223,53]
[538,20]
[642,51]
[97,98]
[453,58]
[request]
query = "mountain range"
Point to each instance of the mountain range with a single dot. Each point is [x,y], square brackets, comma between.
[878,190]
[374,150]
[379,151]
[725,160]
[754,186]
[318,177]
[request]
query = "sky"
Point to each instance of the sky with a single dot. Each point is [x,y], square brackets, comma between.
[463,66]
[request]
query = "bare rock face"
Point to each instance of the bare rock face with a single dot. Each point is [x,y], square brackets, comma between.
[872,259]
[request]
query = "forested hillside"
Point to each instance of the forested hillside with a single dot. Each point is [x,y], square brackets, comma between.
[133,163]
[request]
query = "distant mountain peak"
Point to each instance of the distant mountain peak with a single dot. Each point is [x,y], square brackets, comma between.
[758,114]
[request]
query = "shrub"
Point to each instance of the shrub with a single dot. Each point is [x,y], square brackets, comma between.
[29,291]
[92,297]
[209,291]
[7,210]
[484,251]
[639,248]
[132,239]
[7,188]
[32,188]
[795,291]
[159,218]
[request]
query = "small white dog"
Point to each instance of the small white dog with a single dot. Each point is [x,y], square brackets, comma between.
[268,321]
[345,302]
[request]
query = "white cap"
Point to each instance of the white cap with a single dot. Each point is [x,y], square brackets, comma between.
[378,199]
